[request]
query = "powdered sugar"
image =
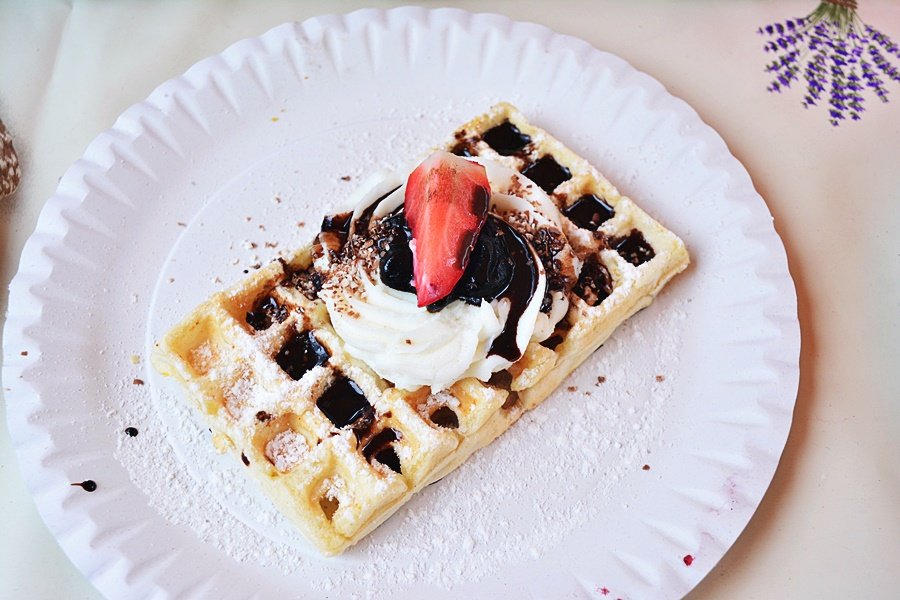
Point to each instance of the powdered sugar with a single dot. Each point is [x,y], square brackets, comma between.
[286,450]
[504,504]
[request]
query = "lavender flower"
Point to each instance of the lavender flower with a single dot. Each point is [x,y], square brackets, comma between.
[836,54]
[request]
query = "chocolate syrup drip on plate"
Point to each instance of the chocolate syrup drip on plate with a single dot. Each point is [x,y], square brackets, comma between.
[506,139]
[589,212]
[300,354]
[380,447]
[88,485]
[344,403]
[547,173]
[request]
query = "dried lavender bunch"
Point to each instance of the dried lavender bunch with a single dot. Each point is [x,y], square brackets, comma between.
[837,55]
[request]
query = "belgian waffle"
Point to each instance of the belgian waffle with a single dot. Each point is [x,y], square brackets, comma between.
[337,448]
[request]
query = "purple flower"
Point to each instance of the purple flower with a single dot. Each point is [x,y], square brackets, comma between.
[837,55]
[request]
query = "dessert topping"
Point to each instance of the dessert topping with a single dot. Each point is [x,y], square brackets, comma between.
[446,205]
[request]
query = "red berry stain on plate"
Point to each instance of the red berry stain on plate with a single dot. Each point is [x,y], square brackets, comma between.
[688,559]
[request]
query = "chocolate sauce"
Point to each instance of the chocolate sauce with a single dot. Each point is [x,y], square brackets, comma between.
[395,255]
[445,416]
[131,431]
[339,223]
[487,275]
[633,248]
[552,342]
[490,269]
[463,148]
[309,281]
[334,231]
[511,400]
[547,173]
[522,286]
[362,222]
[480,205]
[506,139]
[266,312]
[558,335]
[388,457]
[380,447]
[589,212]
[344,403]
[263,417]
[245,460]
[301,353]
[595,283]
[88,485]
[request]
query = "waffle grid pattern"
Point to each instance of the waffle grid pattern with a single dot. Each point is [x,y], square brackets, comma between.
[339,480]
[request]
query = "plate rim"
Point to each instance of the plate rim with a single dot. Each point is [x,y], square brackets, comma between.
[22,399]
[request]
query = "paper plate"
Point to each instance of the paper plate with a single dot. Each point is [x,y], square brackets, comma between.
[631,481]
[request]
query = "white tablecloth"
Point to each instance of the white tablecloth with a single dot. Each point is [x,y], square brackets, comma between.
[829,526]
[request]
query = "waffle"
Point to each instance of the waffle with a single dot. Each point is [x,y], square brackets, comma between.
[337,448]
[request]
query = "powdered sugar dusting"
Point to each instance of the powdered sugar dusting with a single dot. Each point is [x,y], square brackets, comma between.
[286,450]
[503,504]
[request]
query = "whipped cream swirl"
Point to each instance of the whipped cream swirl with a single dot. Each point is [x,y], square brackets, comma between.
[413,347]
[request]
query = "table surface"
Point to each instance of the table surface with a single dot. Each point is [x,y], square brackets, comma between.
[829,525]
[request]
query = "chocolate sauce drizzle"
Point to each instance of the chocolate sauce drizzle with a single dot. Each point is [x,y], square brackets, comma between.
[633,247]
[589,212]
[521,289]
[300,354]
[266,312]
[547,173]
[501,265]
[595,283]
[344,403]
[380,447]
[506,139]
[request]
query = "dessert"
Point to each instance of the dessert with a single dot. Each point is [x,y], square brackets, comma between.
[448,299]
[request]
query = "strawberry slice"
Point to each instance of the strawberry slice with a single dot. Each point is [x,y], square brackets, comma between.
[446,205]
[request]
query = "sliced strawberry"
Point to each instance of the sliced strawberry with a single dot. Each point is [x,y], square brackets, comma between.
[446,204]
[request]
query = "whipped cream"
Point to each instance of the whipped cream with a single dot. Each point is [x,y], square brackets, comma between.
[412,347]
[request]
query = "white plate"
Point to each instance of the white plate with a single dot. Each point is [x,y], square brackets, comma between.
[156,214]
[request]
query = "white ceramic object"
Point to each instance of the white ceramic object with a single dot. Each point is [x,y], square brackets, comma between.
[166,207]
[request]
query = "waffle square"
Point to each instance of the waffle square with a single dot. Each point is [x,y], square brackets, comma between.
[336,447]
